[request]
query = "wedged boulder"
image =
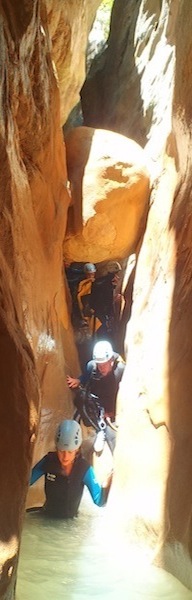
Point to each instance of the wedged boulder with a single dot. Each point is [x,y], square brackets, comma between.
[110,188]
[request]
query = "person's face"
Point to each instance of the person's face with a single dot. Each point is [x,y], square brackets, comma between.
[115,279]
[106,367]
[67,457]
[90,276]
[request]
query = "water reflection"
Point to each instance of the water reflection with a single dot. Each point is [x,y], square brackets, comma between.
[82,558]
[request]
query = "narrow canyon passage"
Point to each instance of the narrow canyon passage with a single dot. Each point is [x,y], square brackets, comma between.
[116,185]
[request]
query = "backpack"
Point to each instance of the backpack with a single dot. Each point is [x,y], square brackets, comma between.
[101,299]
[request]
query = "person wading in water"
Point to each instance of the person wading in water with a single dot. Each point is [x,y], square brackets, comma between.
[66,473]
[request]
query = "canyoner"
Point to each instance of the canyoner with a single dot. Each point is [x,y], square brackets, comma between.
[95,400]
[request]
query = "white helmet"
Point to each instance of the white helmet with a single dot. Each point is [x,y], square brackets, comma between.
[68,435]
[102,352]
[113,266]
[89,268]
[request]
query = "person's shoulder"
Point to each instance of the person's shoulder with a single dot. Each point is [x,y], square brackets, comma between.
[82,464]
[118,360]
[91,365]
[119,364]
[83,461]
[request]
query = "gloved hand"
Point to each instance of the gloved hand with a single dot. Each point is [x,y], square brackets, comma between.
[99,442]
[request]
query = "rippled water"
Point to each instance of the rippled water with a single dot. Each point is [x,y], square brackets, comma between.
[83,559]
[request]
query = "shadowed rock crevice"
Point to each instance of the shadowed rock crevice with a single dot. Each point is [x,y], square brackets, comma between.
[112,87]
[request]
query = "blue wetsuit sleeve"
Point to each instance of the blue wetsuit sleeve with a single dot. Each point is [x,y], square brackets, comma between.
[84,378]
[38,470]
[94,487]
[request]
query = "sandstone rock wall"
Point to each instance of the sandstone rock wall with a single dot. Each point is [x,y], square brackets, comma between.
[37,345]
[123,91]
[153,470]
[141,86]
[154,396]
[69,24]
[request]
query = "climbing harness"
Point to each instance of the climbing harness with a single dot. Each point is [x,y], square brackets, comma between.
[89,410]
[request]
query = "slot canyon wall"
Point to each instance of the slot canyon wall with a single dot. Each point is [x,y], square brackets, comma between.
[39,85]
[42,70]
[148,97]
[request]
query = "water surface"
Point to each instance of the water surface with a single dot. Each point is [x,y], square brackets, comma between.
[82,559]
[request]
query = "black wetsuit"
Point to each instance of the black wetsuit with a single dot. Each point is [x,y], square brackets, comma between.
[63,493]
[105,387]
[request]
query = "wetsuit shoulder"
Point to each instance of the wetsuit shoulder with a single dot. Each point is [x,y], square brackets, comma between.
[90,367]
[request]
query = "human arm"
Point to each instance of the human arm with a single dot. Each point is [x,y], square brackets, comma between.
[75,382]
[79,294]
[83,291]
[99,493]
[38,470]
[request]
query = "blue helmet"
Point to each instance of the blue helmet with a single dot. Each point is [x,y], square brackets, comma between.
[68,435]
[89,268]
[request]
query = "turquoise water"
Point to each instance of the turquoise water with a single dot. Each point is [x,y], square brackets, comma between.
[83,559]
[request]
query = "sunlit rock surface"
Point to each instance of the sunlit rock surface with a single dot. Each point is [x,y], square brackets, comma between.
[129,86]
[69,24]
[109,195]
[153,480]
